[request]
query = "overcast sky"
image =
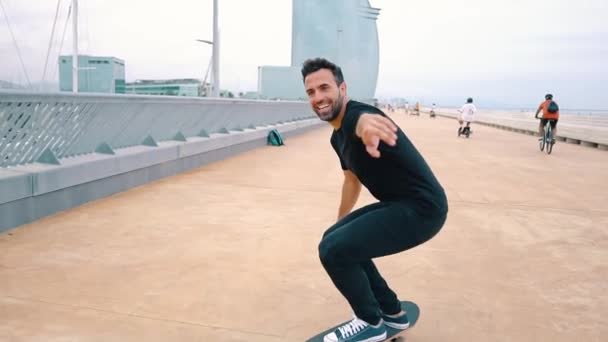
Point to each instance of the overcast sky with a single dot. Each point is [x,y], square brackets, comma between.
[501,52]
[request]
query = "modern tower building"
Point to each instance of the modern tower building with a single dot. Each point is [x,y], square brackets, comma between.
[343,31]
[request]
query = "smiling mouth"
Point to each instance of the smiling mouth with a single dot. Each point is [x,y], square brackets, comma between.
[322,107]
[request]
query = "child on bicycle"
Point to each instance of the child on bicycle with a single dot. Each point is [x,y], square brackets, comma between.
[467,115]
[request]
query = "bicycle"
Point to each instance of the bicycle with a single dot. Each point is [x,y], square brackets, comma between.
[466,130]
[545,140]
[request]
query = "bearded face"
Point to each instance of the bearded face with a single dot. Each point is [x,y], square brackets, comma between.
[325,96]
[329,109]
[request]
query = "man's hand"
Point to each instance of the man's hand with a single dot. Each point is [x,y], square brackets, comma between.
[372,128]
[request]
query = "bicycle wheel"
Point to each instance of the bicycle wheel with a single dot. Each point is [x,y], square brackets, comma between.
[549,139]
[541,143]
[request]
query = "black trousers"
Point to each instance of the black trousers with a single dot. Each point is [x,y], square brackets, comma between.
[348,247]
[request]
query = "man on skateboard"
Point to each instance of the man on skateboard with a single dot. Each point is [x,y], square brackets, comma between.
[411,208]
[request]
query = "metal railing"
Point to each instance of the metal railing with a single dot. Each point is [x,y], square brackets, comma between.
[36,124]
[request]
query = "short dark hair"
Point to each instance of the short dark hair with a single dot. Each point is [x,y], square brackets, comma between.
[316,64]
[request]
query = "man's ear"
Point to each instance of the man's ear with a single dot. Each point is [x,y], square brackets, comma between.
[343,87]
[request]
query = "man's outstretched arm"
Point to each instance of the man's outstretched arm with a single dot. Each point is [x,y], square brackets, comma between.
[350,193]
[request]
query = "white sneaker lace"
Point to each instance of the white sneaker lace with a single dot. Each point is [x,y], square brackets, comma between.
[352,327]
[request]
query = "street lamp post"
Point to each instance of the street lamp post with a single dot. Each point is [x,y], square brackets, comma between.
[207,92]
[216,52]
[75,46]
[215,57]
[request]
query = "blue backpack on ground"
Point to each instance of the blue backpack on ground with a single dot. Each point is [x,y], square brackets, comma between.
[275,138]
[552,107]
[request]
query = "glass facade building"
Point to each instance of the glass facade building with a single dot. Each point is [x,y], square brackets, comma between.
[95,74]
[175,87]
[342,31]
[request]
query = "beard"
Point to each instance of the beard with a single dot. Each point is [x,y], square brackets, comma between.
[336,107]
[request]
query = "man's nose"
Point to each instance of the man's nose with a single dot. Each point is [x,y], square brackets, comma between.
[317,98]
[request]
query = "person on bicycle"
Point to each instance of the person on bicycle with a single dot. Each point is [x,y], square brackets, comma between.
[549,115]
[467,115]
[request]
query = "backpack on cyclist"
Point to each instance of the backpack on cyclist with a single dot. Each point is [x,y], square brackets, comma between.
[552,107]
[274,138]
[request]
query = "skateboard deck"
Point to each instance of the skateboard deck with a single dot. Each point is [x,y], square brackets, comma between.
[413,313]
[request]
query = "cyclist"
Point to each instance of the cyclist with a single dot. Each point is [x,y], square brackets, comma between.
[550,114]
[467,114]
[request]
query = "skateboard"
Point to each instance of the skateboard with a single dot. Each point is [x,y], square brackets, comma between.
[392,335]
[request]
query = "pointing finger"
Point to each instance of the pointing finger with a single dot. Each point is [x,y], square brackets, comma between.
[385,132]
[373,151]
[391,124]
[388,123]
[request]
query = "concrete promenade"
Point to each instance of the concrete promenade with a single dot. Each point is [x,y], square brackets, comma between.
[228,252]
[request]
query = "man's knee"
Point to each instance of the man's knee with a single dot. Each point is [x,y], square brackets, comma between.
[331,229]
[328,252]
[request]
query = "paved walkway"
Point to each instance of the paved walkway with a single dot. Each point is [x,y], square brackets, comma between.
[228,252]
